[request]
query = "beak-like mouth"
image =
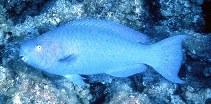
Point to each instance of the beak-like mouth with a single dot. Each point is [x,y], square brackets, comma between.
[23,58]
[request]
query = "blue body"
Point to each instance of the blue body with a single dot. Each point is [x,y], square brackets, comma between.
[91,46]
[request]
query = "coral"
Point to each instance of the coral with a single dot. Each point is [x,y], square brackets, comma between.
[120,92]
[7,81]
[180,14]
[199,45]
[161,92]
[197,96]
[32,86]
[5,26]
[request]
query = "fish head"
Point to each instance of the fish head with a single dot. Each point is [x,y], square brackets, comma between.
[40,52]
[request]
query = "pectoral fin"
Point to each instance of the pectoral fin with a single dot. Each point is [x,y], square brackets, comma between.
[68,59]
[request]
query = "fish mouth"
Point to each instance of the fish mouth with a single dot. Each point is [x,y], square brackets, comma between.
[24,58]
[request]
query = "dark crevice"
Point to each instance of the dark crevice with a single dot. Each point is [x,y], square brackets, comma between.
[197,71]
[97,90]
[206,7]
[2,47]
[153,8]
[137,84]
[19,11]
[208,101]
[179,92]
[183,72]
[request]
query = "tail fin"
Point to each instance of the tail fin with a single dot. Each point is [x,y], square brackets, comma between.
[166,57]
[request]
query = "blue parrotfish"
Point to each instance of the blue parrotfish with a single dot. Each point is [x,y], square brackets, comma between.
[94,46]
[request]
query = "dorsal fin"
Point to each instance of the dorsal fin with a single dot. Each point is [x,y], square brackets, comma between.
[121,30]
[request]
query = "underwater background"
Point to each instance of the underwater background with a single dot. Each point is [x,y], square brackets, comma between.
[23,19]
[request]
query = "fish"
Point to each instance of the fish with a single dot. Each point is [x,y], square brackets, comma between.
[95,46]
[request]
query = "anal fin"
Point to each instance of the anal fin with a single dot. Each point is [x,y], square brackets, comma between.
[128,70]
[76,79]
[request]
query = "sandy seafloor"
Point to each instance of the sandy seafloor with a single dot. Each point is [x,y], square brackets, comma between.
[159,19]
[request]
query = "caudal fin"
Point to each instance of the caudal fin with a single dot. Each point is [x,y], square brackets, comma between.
[166,57]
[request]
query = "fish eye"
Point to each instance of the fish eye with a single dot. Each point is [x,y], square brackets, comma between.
[38,48]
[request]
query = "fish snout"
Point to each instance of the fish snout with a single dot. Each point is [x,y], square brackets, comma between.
[23,58]
[23,51]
